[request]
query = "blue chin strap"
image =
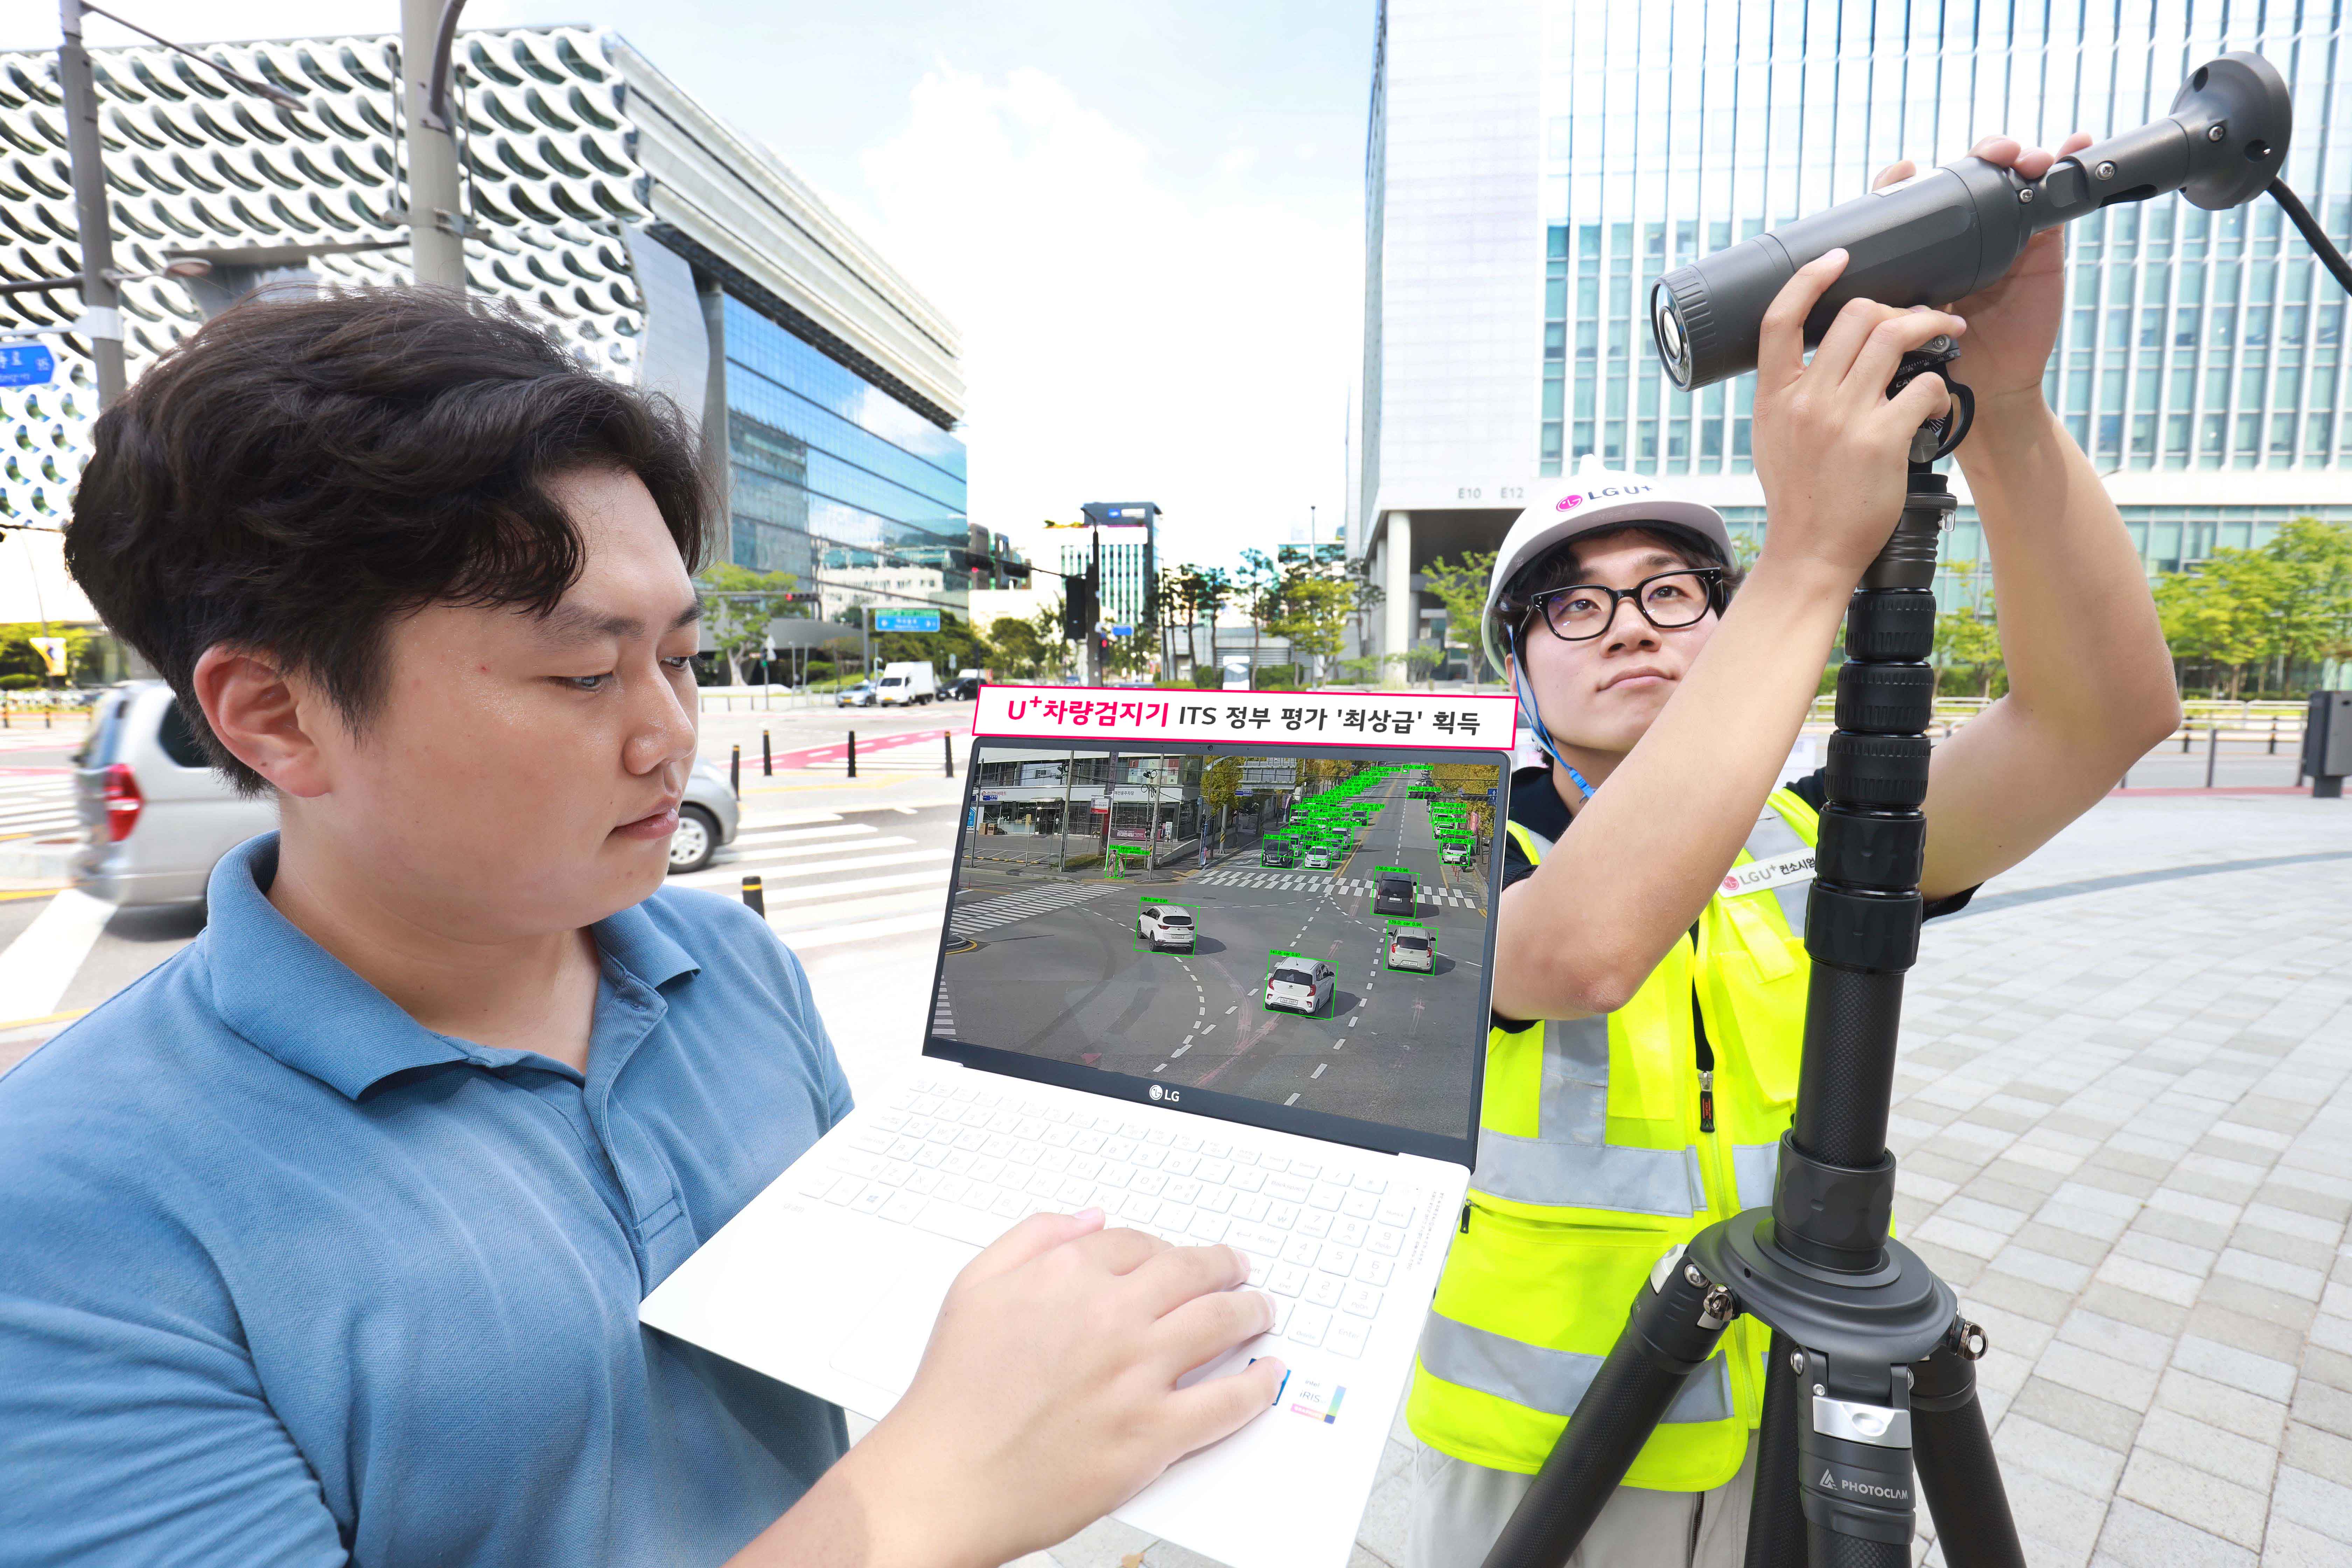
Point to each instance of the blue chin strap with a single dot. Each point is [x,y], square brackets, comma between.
[1527,700]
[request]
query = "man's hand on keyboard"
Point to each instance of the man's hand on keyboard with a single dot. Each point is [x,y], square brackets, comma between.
[1047,1396]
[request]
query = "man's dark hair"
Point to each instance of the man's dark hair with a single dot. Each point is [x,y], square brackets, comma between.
[303,470]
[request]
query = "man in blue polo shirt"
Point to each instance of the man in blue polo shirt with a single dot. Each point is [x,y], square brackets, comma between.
[325,1240]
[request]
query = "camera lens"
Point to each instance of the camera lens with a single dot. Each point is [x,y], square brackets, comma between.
[1666,324]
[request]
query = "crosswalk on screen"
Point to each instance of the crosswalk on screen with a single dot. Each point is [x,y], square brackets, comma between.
[1308,931]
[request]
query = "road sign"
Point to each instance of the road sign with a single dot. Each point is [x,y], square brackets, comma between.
[1122,631]
[906,620]
[27,365]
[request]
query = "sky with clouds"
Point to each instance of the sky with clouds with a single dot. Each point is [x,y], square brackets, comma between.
[1145,218]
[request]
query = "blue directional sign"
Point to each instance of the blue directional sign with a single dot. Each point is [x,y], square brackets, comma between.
[1122,631]
[906,620]
[27,365]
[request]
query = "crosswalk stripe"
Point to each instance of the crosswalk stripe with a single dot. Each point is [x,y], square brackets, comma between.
[860,884]
[989,913]
[931,901]
[730,874]
[864,930]
[769,855]
[44,959]
[804,835]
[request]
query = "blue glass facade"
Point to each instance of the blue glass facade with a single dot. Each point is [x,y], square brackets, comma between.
[2193,339]
[827,465]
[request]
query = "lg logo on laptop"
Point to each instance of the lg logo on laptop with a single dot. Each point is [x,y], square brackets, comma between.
[1170,1095]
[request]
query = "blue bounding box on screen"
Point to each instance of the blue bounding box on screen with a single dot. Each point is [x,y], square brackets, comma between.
[906,620]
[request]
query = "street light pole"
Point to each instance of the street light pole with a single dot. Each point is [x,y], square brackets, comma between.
[436,217]
[101,317]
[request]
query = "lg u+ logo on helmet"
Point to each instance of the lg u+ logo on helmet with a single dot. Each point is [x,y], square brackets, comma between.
[1568,502]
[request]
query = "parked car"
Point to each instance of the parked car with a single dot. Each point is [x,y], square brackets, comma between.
[1410,949]
[1165,925]
[159,815]
[1300,985]
[1393,895]
[707,818]
[858,696]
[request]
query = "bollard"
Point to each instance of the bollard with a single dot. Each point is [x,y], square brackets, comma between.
[2187,730]
[948,741]
[735,771]
[49,718]
[754,898]
[2212,752]
[2274,735]
[767,758]
[853,753]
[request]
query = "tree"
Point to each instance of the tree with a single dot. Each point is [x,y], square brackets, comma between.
[1221,784]
[1310,608]
[1258,584]
[1048,624]
[1969,636]
[738,620]
[1020,652]
[2314,616]
[1966,638]
[1461,587]
[2224,611]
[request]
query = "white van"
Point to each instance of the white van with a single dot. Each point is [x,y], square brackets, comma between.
[910,681]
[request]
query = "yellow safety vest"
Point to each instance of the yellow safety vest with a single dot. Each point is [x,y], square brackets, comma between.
[1593,1163]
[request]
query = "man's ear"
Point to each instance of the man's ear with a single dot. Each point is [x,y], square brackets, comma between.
[258,711]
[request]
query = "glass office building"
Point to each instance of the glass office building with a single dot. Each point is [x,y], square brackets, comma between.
[827,468]
[2198,365]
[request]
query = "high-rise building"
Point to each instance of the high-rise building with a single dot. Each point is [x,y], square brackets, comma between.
[667,250]
[1532,166]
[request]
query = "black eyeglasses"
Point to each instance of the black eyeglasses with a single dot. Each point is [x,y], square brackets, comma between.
[1669,601]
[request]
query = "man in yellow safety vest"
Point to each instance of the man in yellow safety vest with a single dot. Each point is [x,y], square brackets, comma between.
[1650,975]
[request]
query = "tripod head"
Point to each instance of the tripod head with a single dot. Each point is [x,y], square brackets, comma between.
[1942,235]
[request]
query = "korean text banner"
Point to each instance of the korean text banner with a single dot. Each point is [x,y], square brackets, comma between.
[1416,719]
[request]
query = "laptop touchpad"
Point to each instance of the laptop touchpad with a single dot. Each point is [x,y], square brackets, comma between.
[886,1348]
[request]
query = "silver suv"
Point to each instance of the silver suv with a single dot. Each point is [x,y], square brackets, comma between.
[158,815]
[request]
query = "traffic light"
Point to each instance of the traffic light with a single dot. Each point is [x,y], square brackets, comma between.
[1081,606]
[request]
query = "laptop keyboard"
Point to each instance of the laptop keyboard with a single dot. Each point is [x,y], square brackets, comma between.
[968,1162]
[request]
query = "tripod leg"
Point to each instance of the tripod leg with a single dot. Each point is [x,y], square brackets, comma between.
[1776,1518]
[1673,1327]
[1958,1474]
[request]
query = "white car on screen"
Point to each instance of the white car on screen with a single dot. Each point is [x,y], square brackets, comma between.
[1300,985]
[1163,925]
[1413,950]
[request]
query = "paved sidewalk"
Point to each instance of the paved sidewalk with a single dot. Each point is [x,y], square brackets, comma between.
[2125,1131]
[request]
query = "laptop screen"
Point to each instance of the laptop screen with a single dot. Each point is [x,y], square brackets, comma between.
[1293,939]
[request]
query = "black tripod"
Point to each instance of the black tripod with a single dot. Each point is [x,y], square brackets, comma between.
[1871,1365]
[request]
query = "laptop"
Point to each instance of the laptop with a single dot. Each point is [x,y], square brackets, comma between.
[1163,988]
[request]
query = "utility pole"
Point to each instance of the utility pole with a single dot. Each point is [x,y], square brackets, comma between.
[436,216]
[102,315]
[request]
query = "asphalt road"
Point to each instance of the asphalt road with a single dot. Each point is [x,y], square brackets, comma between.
[1065,975]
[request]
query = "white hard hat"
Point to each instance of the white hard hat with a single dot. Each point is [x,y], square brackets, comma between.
[1596,500]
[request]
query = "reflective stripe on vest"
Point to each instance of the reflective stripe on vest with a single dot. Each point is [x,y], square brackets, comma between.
[1569,1161]
[1756,1167]
[1550,1381]
[1575,1192]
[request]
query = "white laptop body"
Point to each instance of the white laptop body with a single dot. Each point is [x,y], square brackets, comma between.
[1073,1062]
